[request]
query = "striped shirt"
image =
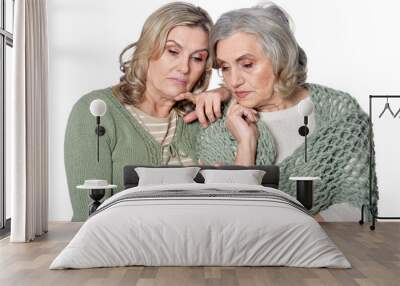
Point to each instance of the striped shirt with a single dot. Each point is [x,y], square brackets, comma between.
[163,131]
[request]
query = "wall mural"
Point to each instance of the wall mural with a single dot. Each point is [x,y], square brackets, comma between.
[265,112]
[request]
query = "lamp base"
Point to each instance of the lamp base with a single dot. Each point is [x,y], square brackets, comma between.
[100,130]
[305,190]
[303,130]
[304,193]
[96,195]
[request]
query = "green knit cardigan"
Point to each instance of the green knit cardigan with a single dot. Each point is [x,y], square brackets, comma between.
[338,150]
[125,142]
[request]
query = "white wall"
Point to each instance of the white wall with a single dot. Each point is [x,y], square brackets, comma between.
[351,45]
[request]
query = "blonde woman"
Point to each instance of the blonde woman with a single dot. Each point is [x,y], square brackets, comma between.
[144,120]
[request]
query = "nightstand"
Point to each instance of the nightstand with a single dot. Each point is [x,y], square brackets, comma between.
[97,190]
[304,190]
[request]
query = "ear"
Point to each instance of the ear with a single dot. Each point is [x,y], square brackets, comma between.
[275,88]
[277,83]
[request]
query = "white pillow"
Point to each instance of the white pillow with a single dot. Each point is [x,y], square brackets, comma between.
[163,176]
[248,177]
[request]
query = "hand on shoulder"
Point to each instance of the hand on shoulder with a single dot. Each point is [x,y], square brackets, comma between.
[208,105]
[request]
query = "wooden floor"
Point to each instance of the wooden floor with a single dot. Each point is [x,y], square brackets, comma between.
[374,255]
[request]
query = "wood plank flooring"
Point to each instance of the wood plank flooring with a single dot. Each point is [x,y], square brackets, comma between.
[374,255]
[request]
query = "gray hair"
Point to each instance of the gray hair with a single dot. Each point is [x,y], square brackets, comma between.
[271,24]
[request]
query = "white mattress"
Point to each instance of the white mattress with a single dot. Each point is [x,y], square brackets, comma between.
[183,231]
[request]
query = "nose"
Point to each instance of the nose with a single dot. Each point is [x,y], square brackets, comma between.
[183,65]
[236,78]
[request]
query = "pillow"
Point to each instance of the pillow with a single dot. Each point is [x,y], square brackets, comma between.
[163,176]
[248,177]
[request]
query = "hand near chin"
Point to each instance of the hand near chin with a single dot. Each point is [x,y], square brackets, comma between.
[208,105]
[241,123]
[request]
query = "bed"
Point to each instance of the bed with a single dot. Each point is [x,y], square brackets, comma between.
[201,224]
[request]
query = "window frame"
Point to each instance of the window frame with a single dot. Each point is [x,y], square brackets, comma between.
[6,39]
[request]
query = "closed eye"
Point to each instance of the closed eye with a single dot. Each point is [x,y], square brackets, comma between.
[224,68]
[173,52]
[198,59]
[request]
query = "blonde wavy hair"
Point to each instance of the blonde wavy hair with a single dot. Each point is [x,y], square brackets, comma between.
[151,45]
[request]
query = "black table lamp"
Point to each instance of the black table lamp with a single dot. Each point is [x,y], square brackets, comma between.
[305,185]
[98,108]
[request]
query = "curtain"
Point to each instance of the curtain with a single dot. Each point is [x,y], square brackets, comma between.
[27,122]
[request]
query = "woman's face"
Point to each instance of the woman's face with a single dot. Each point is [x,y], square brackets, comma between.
[181,64]
[246,70]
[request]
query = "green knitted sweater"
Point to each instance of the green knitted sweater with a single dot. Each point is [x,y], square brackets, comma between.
[124,143]
[338,150]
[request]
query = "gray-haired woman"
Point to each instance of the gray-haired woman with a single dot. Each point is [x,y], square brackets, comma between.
[265,69]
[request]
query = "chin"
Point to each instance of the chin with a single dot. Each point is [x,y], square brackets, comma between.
[245,103]
[174,91]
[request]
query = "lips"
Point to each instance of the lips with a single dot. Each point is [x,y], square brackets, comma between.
[178,81]
[242,94]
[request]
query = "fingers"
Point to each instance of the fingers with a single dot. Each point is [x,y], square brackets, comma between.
[190,117]
[217,108]
[200,114]
[209,109]
[212,105]
[232,104]
[186,95]
[250,115]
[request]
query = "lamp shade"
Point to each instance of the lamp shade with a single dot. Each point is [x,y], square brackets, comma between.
[305,107]
[98,107]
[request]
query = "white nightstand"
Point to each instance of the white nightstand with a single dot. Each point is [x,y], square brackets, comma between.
[304,190]
[97,190]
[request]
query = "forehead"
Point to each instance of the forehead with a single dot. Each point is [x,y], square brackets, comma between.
[191,38]
[239,44]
